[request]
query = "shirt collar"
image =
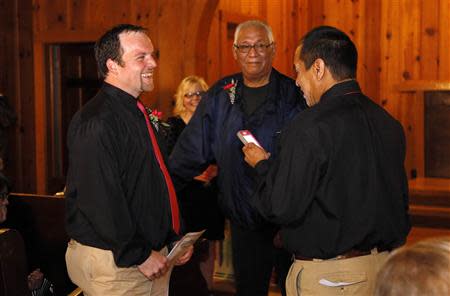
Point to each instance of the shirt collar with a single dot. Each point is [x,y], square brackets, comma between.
[121,97]
[341,88]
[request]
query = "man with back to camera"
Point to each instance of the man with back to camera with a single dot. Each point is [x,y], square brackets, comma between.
[121,210]
[259,99]
[337,187]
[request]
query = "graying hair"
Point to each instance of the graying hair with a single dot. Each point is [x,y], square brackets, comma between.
[253,23]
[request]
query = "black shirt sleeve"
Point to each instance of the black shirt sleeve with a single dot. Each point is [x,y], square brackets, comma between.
[192,152]
[295,170]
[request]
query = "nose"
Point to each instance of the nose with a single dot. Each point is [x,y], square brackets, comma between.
[151,61]
[252,51]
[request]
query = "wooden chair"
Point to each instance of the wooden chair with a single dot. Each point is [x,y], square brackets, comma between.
[40,221]
[13,264]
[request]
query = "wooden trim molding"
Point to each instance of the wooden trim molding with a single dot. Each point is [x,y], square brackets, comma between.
[430,186]
[423,85]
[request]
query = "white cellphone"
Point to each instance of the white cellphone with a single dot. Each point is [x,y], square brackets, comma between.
[246,137]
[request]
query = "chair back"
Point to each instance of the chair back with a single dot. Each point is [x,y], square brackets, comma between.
[13,264]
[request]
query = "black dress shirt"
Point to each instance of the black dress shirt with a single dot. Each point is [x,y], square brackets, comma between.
[116,195]
[338,182]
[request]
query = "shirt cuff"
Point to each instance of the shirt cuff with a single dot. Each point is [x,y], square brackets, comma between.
[262,167]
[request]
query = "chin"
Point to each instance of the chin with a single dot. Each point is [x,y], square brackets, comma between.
[148,88]
[308,102]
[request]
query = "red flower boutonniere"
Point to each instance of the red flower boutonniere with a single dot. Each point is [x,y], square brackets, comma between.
[155,117]
[231,89]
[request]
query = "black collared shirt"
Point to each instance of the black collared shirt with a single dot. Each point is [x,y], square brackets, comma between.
[116,196]
[338,182]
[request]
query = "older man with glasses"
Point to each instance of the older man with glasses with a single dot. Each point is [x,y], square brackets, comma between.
[263,101]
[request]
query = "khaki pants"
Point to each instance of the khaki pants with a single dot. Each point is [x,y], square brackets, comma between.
[353,276]
[96,273]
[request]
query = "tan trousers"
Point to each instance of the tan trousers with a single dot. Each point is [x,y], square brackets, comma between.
[96,273]
[353,276]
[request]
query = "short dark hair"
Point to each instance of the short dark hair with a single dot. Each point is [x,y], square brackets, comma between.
[334,47]
[108,46]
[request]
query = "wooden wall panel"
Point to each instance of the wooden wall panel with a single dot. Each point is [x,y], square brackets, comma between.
[78,14]
[282,17]
[16,79]
[444,39]
[248,7]
[400,60]
[213,54]
[429,43]
[54,14]
[7,37]
[174,27]
[413,34]
[8,68]
[397,40]
[369,20]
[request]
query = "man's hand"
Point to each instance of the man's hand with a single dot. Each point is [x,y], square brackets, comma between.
[254,154]
[35,279]
[155,266]
[208,174]
[186,256]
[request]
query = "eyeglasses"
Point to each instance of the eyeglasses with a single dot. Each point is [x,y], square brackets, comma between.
[191,94]
[259,47]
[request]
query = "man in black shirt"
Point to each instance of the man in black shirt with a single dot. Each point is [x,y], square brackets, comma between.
[337,187]
[119,198]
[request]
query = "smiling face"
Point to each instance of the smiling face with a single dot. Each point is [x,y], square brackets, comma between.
[134,74]
[192,97]
[255,65]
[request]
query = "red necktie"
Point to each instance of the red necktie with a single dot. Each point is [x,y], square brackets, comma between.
[170,188]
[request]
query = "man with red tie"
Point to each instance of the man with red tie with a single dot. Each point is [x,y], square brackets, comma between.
[121,207]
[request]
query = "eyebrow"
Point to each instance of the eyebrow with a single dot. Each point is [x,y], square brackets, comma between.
[257,41]
[141,53]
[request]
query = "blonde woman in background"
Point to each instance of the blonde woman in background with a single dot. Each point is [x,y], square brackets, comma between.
[198,200]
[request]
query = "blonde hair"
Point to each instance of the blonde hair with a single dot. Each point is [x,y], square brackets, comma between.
[185,84]
[421,269]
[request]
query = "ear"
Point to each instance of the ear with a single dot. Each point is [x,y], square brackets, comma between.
[234,53]
[319,68]
[112,66]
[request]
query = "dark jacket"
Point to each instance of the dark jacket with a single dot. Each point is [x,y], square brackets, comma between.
[211,137]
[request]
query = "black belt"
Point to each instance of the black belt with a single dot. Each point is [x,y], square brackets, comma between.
[347,255]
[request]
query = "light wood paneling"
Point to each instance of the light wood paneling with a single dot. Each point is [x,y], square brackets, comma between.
[177,31]
[397,40]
